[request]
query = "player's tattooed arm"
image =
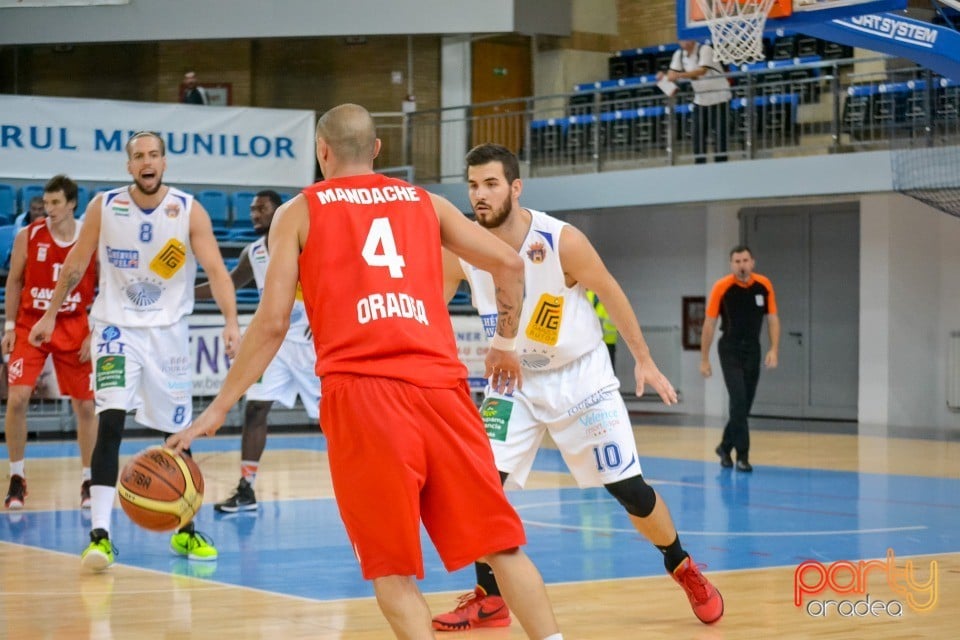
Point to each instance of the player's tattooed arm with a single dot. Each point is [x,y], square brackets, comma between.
[508,318]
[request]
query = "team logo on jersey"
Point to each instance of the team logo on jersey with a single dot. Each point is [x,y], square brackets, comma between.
[123,258]
[544,325]
[537,251]
[168,261]
[14,370]
[110,333]
[42,252]
[259,253]
[171,209]
[120,207]
[534,359]
[111,372]
[496,417]
[143,293]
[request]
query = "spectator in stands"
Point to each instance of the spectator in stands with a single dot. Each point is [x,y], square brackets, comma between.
[289,374]
[711,96]
[193,93]
[38,252]
[742,298]
[34,212]
[568,382]
[151,237]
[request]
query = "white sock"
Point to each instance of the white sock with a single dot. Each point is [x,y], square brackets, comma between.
[16,468]
[85,474]
[556,636]
[101,506]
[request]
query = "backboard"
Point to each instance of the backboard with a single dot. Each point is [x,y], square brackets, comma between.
[785,14]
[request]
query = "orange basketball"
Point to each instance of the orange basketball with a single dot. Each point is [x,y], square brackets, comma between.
[160,490]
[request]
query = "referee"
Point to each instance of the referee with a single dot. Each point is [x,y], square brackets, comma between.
[742,299]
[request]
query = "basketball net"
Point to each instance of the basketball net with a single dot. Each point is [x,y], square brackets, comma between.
[736,28]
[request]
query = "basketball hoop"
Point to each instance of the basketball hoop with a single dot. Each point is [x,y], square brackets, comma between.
[736,28]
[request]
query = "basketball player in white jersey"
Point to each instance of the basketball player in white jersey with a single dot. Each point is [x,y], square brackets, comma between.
[148,237]
[568,384]
[292,371]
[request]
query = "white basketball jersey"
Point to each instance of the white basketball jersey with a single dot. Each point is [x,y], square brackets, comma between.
[147,267]
[299,330]
[557,322]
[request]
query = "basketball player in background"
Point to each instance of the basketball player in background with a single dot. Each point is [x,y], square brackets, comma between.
[149,237]
[290,373]
[569,385]
[401,428]
[39,251]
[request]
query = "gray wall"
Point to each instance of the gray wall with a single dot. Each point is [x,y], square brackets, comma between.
[144,20]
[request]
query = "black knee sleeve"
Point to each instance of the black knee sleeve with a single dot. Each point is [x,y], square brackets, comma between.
[636,496]
[105,462]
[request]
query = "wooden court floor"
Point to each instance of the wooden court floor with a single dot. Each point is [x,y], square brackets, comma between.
[44,594]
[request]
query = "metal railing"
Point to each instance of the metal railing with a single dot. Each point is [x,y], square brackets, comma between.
[808,108]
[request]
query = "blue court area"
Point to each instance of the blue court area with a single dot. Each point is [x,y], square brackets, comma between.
[775,517]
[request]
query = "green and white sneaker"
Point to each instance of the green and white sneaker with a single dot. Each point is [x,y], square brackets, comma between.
[194,545]
[100,554]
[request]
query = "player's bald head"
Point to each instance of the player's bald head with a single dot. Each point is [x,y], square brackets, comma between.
[350,131]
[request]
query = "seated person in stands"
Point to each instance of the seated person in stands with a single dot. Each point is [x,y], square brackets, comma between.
[35,212]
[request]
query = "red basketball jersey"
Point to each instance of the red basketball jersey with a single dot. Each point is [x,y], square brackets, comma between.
[372,279]
[44,259]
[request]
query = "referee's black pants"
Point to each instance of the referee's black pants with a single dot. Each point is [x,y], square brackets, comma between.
[740,362]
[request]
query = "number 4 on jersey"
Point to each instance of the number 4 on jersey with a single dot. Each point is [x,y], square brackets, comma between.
[380,237]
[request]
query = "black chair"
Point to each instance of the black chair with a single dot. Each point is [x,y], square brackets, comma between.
[581,104]
[784,48]
[618,67]
[641,65]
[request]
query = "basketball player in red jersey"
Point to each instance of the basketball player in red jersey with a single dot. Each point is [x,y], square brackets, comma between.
[38,253]
[401,428]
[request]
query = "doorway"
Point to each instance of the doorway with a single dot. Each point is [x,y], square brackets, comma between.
[812,256]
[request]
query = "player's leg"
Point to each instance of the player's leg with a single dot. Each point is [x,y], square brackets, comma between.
[253,440]
[379,501]
[76,381]
[515,434]
[15,429]
[23,368]
[458,447]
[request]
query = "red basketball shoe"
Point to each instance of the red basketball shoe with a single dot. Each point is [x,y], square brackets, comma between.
[16,493]
[706,601]
[475,609]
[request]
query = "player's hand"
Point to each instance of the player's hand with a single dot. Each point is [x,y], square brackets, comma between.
[42,330]
[231,339]
[771,360]
[84,354]
[207,424]
[503,371]
[705,369]
[9,339]
[647,373]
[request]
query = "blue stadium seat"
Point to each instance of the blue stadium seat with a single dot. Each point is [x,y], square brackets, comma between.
[7,233]
[28,193]
[240,205]
[248,295]
[242,235]
[83,199]
[284,196]
[8,201]
[217,205]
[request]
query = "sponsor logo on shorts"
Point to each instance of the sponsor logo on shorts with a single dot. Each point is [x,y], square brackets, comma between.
[111,372]
[14,370]
[496,417]
[593,399]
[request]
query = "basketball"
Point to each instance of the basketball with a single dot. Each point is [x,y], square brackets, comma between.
[160,490]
